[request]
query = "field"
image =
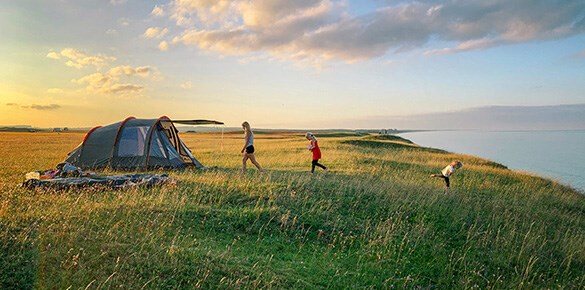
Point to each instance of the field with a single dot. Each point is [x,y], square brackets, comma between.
[376,220]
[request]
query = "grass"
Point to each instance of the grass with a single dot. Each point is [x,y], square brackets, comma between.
[375,221]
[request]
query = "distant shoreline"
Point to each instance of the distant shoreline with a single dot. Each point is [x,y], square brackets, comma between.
[509,148]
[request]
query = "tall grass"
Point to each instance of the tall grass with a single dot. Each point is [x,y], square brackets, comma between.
[377,220]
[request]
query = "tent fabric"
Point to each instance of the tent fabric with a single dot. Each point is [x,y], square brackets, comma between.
[198,122]
[134,144]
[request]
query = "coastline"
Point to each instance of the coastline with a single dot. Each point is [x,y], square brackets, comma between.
[551,154]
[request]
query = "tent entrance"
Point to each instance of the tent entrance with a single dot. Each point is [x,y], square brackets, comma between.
[172,133]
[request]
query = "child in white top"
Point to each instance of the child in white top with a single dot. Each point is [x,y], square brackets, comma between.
[447,172]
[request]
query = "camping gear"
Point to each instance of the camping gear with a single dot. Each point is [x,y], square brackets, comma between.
[136,144]
[63,169]
[109,182]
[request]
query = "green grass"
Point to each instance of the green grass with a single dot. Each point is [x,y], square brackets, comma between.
[376,221]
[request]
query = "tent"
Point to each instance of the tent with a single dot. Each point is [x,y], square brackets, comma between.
[136,144]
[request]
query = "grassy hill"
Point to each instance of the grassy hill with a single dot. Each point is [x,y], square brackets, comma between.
[377,220]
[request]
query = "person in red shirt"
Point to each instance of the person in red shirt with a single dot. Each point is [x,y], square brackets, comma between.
[314,147]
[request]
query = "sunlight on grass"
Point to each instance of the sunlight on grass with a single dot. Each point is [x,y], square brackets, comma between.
[377,220]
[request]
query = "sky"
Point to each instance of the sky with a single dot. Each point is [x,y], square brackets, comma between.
[311,64]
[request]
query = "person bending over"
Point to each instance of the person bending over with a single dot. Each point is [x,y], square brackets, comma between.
[447,172]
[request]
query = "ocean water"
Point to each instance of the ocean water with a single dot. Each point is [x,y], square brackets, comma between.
[559,155]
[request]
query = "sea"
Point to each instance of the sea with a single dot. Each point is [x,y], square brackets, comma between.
[558,155]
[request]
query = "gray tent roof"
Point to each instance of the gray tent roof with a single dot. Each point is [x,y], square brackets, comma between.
[134,144]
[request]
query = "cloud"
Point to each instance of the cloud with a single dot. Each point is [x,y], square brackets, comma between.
[323,30]
[155,32]
[53,55]
[187,85]
[163,46]
[36,106]
[158,11]
[96,81]
[45,107]
[79,59]
[558,117]
[124,88]
[141,71]
[110,83]
[107,84]
[187,12]
[114,80]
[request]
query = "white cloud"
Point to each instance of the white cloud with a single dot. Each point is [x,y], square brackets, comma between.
[53,55]
[465,46]
[322,30]
[114,80]
[107,84]
[110,83]
[158,11]
[187,12]
[79,59]
[163,46]
[155,32]
[142,71]
[96,81]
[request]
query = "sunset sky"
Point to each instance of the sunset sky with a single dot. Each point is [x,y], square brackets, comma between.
[286,64]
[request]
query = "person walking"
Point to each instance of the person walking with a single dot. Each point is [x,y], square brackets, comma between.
[314,147]
[248,149]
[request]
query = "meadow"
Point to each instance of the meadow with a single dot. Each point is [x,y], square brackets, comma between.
[376,220]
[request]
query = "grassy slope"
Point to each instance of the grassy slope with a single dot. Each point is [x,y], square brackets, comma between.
[376,220]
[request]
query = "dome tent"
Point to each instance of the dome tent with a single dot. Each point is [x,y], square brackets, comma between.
[136,144]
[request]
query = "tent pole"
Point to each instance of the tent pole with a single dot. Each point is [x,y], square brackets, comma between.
[221,143]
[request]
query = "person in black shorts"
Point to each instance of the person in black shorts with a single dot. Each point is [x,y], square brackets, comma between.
[248,149]
[447,172]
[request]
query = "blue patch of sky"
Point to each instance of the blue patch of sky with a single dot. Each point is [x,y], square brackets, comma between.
[362,7]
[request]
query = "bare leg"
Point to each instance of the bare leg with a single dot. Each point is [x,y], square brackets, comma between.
[253,159]
[244,163]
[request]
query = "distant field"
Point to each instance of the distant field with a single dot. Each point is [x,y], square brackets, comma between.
[377,220]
